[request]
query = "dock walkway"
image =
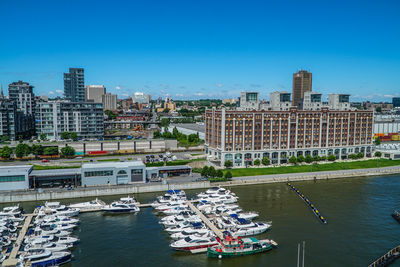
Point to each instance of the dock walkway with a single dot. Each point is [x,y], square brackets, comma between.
[206,221]
[387,259]
[12,259]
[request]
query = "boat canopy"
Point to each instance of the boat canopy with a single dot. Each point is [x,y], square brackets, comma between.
[243,221]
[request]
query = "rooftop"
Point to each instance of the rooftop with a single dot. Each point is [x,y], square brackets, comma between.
[127,164]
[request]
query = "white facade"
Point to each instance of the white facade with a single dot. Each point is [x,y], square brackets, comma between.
[113,173]
[387,124]
[141,98]
[312,101]
[339,101]
[15,177]
[249,101]
[109,101]
[280,100]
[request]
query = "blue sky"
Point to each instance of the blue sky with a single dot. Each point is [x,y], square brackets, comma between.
[203,49]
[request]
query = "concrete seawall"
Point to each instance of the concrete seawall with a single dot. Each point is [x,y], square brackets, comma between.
[20,196]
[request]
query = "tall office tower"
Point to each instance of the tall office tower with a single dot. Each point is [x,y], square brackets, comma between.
[94,93]
[302,82]
[74,85]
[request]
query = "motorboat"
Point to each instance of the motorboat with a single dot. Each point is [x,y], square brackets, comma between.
[10,211]
[61,227]
[41,239]
[54,208]
[58,220]
[181,226]
[170,205]
[128,200]
[119,207]
[190,231]
[94,204]
[176,192]
[225,223]
[51,246]
[182,213]
[45,259]
[245,215]
[179,220]
[257,229]
[67,240]
[4,241]
[176,210]
[193,243]
[216,191]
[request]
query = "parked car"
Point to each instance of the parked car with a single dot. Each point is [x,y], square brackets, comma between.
[79,157]
[45,160]
[201,179]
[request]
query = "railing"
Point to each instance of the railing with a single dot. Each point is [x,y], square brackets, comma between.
[387,259]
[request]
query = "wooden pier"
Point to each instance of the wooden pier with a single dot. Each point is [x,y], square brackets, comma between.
[12,258]
[206,220]
[387,259]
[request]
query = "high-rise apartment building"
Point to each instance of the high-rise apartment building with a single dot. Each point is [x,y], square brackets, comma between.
[74,85]
[396,102]
[302,82]
[22,94]
[8,117]
[141,98]
[55,117]
[94,93]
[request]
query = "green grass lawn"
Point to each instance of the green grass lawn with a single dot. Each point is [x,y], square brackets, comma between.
[361,164]
[101,160]
[50,167]
[198,154]
[77,161]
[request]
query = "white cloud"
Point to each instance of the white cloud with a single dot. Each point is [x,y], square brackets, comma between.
[219,85]
[51,93]
[388,95]
[118,87]
[198,94]
[125,95]
[59,91]
[178,94]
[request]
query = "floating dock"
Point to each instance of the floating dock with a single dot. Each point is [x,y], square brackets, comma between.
[206,221]
[12,258]
[387,259]
[308,203]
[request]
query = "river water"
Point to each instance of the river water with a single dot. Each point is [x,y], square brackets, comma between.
[359,230]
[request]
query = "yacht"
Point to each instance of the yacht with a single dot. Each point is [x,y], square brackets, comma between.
[55,208]
[94,204]
[67,240]
[170,205]
[191,231]
[51,246]
[194,242]
[46,258]
[179,220]
[176,210]
[119,207]
[257,229]
[182,213]
[128,200]
[245,215]
[10,211]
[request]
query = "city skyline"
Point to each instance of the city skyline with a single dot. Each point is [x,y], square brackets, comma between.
[220,50]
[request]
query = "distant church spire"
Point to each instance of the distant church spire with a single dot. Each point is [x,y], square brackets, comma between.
[1,94]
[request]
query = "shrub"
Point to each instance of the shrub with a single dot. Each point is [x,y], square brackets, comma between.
[378,154]
[67,151]
[309,159]
[228,164]
[219,179]
[265,161]
[301,158]
[219,173]
[360,155]
[316,158]
[211,172]
[323,158]
[228,175]
[257,162]
[293,160]
[204,171]
[331,157]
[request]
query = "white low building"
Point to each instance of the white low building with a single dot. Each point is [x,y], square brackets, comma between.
[113,173]
[15,177]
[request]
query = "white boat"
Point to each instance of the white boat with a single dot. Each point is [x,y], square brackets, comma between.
[10,211]
[67,240]
[164,200]
[176,210]
[45,259]
[182,213]
[170,205]
[245,215]
[188,243]
[61,227]
[4,242]
[119,207]
[51,246]
[128,200]
[179,220]
[257,229]
[216,191]
[94,204]
[54,208]
[191,231]
[180,227]
[41,239]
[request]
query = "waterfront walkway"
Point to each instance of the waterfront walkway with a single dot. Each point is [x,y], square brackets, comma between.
[387,259]
[206,221]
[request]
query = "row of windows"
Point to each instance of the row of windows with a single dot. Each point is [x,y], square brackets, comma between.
[14,178]
[98,173]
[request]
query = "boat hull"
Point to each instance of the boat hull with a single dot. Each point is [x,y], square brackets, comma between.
[193,247]
[52,262]
[214,254]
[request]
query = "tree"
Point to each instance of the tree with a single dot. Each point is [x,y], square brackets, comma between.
[156,134]
[265,161]
[67,151]
[5,152]
[301,158]
[257,162]
[353,156]
[192,138]
[219,174]
[166,110]
[228,175]
[360,155]
[377,141]
[378,109]
[204,171]
[4,138]
[331,157]
[164,122]
[316,158]
[228,164]
[323,157]
[211,172]
[378,154]
[65,135]
[43,137]
[293,160]
[73,136]
[37,150]
[22,150]
[50,151]
[175,133]
[309,159]
[110,114]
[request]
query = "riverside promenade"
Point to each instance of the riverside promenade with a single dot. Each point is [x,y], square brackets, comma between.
[98,191]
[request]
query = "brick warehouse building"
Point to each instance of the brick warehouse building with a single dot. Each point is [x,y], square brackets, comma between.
[243,136]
